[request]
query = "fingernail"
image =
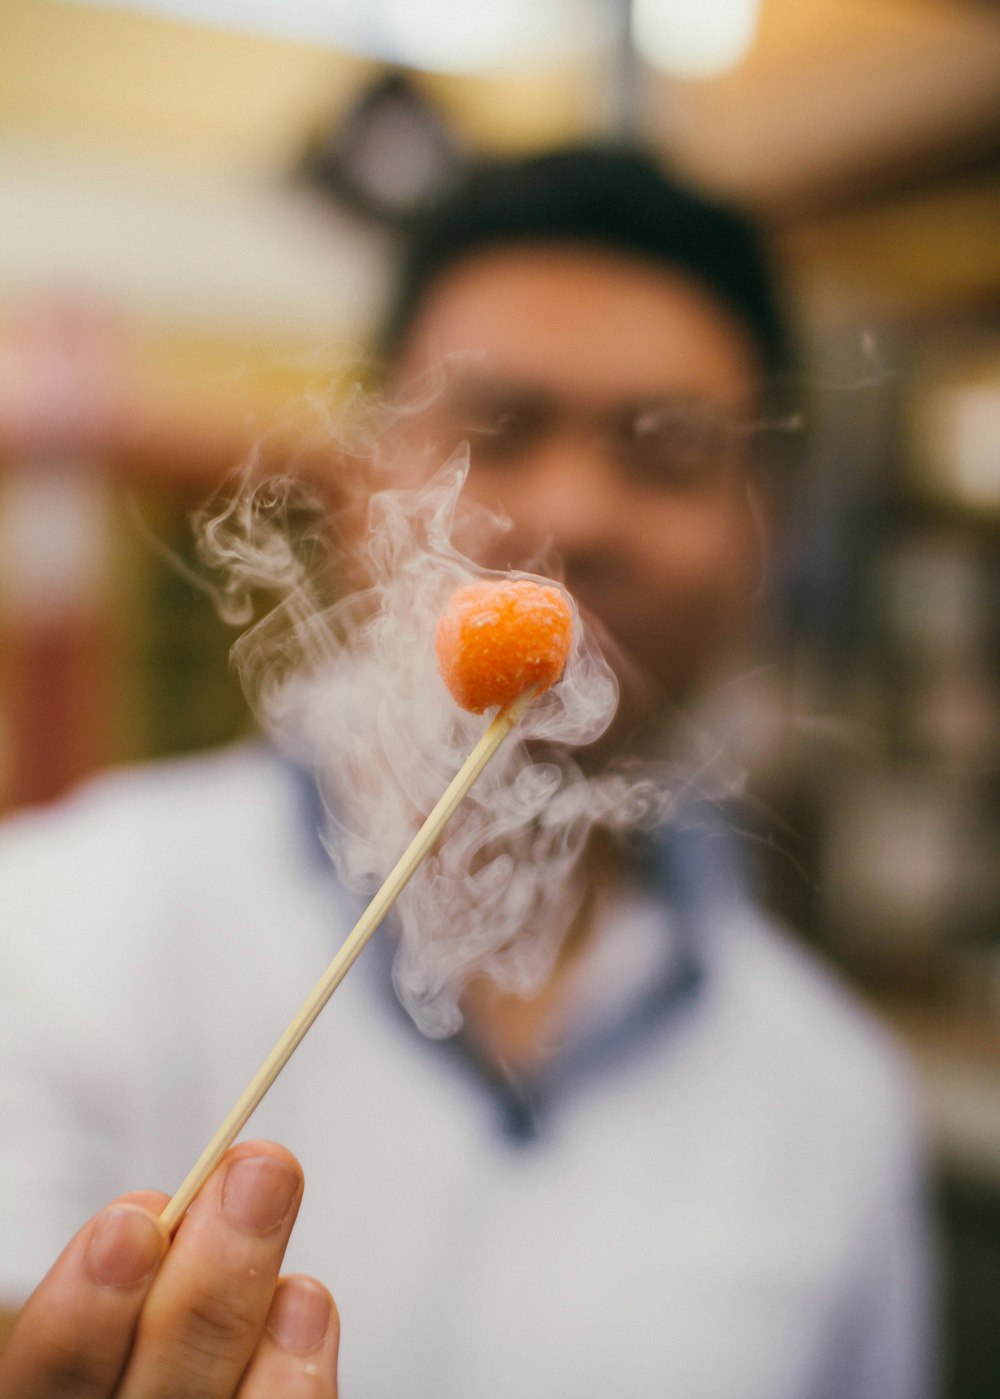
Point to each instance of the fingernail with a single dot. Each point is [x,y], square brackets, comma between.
[258,1193]
[300,1316]
[124,1247]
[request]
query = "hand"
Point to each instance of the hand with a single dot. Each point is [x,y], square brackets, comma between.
[126,1314]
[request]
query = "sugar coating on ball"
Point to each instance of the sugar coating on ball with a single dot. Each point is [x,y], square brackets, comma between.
[498,637]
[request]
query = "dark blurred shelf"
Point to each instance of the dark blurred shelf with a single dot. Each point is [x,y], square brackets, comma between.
[956,1055]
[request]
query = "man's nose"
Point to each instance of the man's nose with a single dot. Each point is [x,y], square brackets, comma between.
[573,496]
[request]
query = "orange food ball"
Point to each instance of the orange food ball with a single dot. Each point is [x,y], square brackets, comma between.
[499,637]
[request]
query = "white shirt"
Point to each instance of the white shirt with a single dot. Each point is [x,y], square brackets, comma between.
[731,1207]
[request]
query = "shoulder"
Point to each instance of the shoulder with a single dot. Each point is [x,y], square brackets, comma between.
[122,860]
[815,1051]
[211,798]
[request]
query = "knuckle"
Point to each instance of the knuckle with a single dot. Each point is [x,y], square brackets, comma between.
[212,1332]
[71,1370]
[214,1322]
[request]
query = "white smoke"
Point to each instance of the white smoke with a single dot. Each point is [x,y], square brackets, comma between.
[348,684]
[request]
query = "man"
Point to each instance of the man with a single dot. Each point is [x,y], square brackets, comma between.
[686,1166]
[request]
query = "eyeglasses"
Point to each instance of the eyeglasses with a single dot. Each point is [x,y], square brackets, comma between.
[672,443]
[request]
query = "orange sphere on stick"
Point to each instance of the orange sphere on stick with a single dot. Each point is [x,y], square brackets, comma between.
[499,637]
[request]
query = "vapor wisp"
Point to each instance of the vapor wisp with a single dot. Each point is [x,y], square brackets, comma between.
[347,683]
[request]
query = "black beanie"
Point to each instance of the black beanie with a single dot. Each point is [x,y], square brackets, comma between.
[610,197]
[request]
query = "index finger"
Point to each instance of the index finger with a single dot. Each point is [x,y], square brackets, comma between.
[208,1307]
[75,1332]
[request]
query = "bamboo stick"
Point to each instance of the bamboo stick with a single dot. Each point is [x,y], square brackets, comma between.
[417,851]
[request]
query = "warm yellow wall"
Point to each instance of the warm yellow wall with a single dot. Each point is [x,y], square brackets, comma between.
[165,92]
[211,99]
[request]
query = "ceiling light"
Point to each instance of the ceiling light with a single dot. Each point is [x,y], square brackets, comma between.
[694,38]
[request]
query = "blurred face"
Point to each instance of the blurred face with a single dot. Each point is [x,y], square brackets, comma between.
[604,401]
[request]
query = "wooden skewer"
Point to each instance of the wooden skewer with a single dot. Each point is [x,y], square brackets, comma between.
[407,865]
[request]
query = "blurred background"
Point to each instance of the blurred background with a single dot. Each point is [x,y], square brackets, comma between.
[198,199]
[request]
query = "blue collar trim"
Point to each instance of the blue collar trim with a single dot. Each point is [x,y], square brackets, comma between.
[687,867]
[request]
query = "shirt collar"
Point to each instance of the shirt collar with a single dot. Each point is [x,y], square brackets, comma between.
[687,867]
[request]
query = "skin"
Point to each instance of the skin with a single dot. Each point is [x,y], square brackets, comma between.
[666,568]
[665,565]
[122,1314]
